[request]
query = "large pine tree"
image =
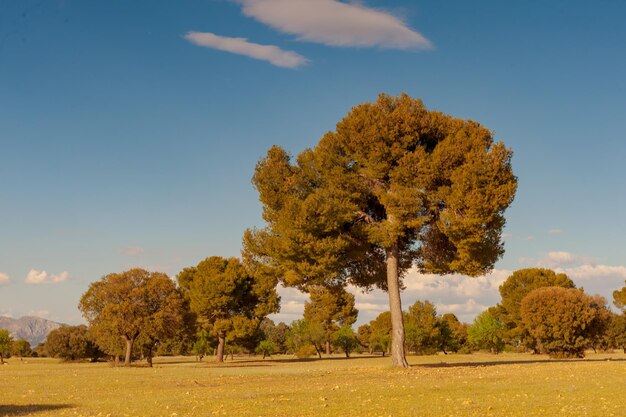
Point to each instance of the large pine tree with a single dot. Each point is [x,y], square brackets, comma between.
[395,184]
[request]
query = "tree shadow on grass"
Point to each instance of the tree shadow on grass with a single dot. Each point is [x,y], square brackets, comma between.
[325,359]
[509,362]
[11,410]
[270,362]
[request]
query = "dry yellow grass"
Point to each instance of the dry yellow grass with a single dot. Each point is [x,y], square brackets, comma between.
[453,385]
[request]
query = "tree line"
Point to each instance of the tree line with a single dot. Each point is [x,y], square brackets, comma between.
[540,312]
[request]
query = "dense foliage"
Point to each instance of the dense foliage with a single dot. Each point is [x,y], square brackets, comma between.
[330,307]
[228,300]
[135,305]
[21,348]
[487,332]
[72,343]
[6,342]
[514,289]
[564,321]
[345,339]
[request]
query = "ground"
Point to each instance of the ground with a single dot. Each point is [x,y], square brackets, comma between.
[452,385]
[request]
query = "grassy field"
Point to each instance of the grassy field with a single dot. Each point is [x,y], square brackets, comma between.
[453,385]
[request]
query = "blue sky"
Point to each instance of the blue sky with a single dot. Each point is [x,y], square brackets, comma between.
[129,130]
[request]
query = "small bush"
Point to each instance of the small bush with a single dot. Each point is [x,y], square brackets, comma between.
[564,322]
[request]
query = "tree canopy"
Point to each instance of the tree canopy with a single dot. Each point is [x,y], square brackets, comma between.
[564,321]
[394,184]
[487,332]
[345,339]
[228,300]
[21,348]
[515,288]
[380,333]
[131,304]
[6,343]
[72,343]
[619,299]
[423,328]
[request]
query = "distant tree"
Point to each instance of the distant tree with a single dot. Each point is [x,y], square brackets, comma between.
[108,340]
[6,342]
[297,337]
[303,334]
[202,344]
[277,333]
[21,348]
[487,332]
[266,348]
[181,342]
[72,343]
[564,321]
[380,338]
[345,339]
[514,289]
[423,328]
[619,299]
[616,332]
[445,341]
[40,351]
[229,299]
[363,334]
[331,307]
[458,330]
[395,184]
[134,304]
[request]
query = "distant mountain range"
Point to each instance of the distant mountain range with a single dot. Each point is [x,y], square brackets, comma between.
[33,329]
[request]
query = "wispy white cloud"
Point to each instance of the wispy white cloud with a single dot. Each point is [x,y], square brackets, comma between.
[596,271]
[586,272]
[559,258]
[464,296]
[241,46]
[336,23]
[291,305]
[597,279]
[35,277]
[555,231]
[133,251]
[467,310]
[4,278]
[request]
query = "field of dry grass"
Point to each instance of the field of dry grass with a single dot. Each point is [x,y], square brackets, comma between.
[453,385]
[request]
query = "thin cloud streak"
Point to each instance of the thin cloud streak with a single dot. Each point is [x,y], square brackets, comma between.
[464,296]
[241,46]
[4,278]
[133,251]
[335,23]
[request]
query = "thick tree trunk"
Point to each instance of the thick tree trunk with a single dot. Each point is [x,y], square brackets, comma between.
[328,345]
[129,350]
[395,305]
[1,360]
[221,343]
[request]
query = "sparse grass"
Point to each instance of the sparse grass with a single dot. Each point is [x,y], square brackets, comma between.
[453,385]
